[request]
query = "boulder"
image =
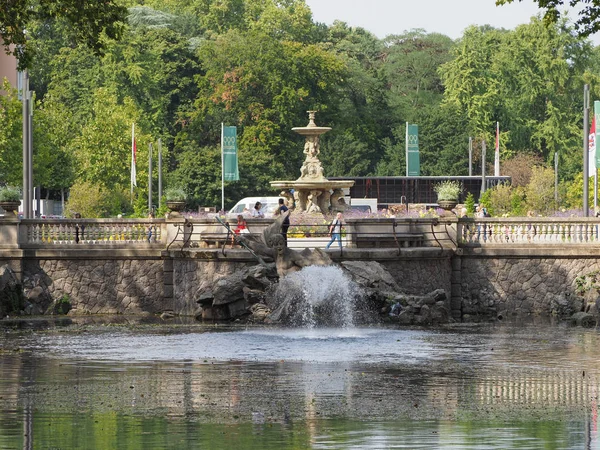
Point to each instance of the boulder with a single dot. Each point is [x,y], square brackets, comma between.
[584,319]
[371,274]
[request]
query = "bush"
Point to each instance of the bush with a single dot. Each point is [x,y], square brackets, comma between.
[540,190]
[500,198]
[448,190]
[10,194]
[94,201]
[175,194]
[470,204]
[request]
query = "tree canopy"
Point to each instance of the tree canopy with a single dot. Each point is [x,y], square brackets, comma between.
[178,69]
[88,20]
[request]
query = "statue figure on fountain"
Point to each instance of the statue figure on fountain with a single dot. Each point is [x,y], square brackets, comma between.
[272,244]
[311,147]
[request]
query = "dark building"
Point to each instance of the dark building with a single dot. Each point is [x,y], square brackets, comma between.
[396,190]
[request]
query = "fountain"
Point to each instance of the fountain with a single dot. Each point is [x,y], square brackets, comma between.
[298,301]
[312,192]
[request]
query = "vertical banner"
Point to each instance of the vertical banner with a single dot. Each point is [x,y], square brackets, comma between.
[413,168]
[497,152]
[230,158]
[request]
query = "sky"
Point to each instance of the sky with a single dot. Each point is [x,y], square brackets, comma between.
[449,17]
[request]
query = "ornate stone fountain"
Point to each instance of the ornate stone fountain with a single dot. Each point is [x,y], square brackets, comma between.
[312,192]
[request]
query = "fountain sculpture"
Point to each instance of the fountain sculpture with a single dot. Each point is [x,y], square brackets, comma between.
[312,192]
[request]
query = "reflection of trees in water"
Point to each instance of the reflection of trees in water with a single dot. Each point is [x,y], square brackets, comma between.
[513,383]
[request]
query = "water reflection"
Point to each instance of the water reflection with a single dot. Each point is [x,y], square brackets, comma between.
[155,387]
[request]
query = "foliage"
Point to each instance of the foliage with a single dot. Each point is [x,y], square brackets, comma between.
[470,203]
[62,305]
[486,200]
[11,135]
[572,193]
[10,194]
[448,190]
[540,190]
[175,194]
[587,282]
[589,18]
[93,201]
[517,202]
[519,168]
[87,24]
[501,199]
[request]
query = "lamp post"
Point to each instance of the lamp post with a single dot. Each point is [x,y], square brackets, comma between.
[586,146]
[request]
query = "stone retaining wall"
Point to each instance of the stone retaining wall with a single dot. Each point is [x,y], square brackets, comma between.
[500,287]
[483,285]
[100,286]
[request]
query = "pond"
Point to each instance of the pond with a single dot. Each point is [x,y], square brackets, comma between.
[133,383]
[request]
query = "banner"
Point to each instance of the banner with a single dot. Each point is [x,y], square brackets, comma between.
[133,158]
[497,152]
[229,151]
[413,168]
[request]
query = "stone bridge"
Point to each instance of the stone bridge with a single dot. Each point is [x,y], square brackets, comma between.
[492,268]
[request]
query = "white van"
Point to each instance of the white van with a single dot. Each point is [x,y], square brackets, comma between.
[246,205]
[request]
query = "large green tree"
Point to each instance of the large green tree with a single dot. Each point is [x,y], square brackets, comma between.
[586,24]
[89,21]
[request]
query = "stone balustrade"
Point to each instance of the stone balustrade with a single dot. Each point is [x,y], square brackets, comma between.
[528,231]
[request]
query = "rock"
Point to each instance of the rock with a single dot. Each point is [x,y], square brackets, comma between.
[424,316]
[371,274]
[206,297]
[406,317]
[167,315]
[260,311]
[583,319]
[11,292]
[253,296]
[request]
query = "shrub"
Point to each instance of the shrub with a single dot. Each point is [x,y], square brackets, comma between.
[448,190]
[470,204]
[175,194]
[10,194]
[93,201]
[540,190]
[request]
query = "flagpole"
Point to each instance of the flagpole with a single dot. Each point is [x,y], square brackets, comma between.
[159,172]
[150,177]
[222,173]
[586,149]
[497,152]
[132,159]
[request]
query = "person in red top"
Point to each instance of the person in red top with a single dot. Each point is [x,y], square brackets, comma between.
[241,228]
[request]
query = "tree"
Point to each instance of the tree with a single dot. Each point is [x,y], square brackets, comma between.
[89,21]
[11,129]
[411,67]
[589,17]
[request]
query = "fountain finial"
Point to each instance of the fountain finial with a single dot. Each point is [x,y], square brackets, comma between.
[311,119]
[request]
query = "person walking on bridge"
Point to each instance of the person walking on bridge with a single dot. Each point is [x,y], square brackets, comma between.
[335,230]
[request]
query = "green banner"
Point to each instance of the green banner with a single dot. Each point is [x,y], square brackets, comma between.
[597,137]
[230,158]
[413,167]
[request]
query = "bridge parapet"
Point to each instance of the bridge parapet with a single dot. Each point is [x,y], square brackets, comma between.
[524,231]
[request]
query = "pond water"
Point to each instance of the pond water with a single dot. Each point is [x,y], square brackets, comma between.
[77,384]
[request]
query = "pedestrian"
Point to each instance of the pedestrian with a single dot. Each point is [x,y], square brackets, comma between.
[151,226]
[335,230]
[241,228]
[285,225]
[256,211]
